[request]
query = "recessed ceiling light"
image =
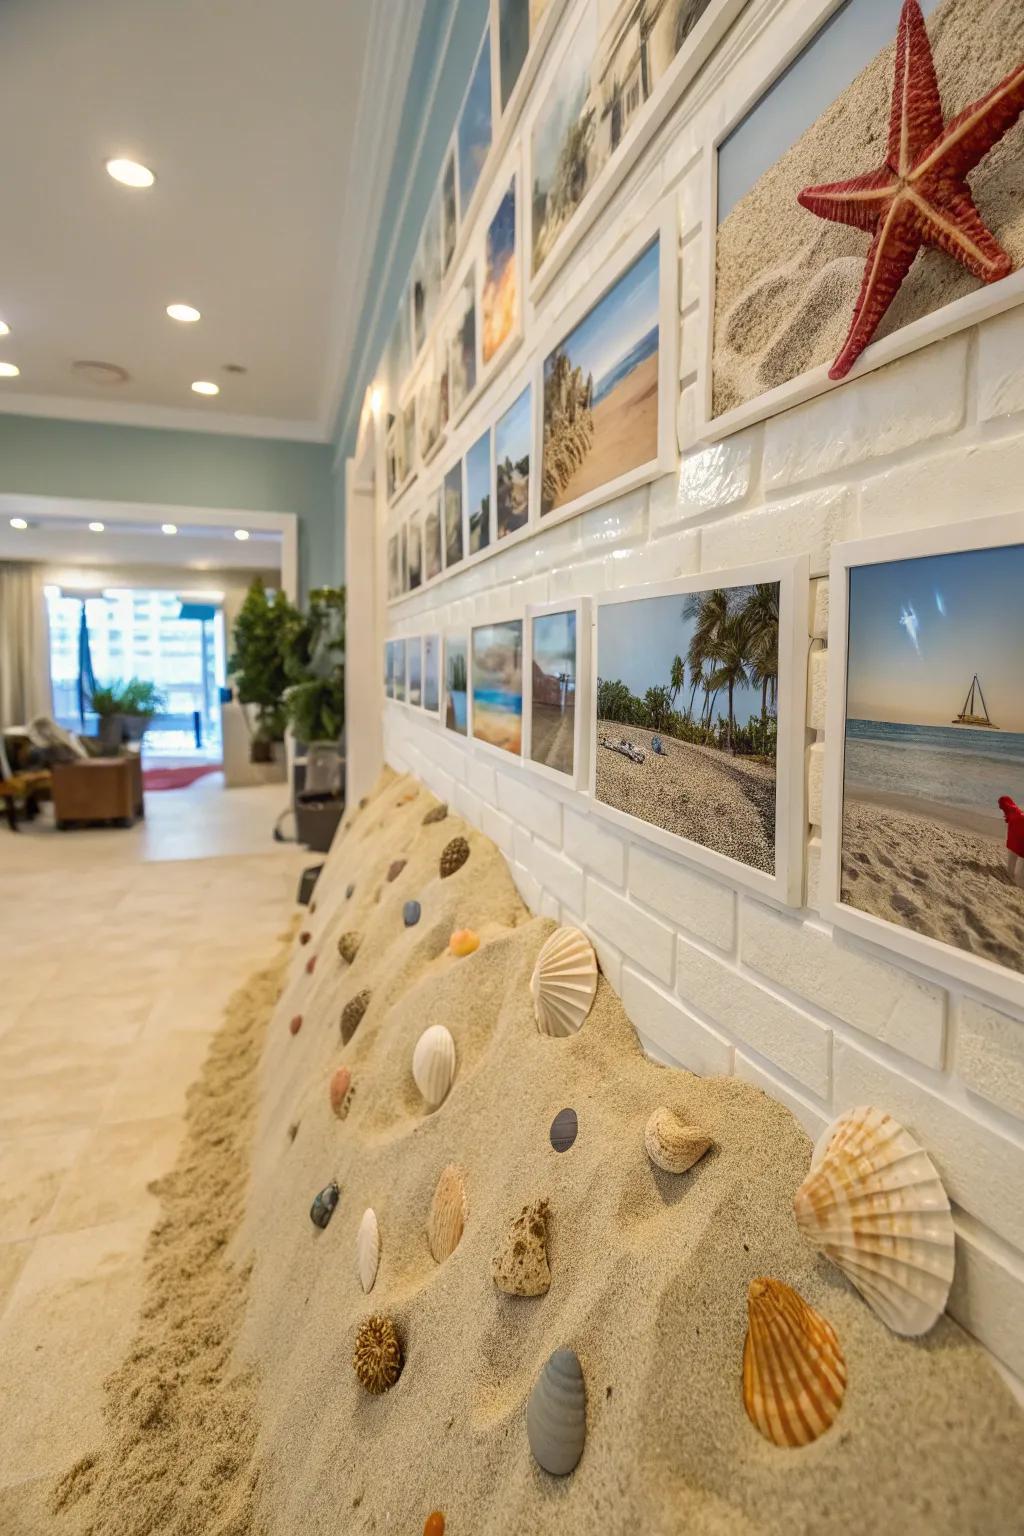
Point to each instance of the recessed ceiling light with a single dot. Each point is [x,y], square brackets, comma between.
[96,527]
[183,312]
[100,373]
[169,527]
[130,173]
[204,387]
[9,371]
[242,533]
[18,522]
[5,329]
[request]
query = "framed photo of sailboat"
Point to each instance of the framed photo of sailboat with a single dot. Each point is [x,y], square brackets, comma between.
[923,824]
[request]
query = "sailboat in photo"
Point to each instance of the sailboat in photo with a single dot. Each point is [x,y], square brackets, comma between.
[969,715]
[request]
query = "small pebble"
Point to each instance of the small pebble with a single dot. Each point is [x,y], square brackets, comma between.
[348,893]
[564,1129]
[310,963]
[296,1024]
[411,913]
[305,936]
[395,869]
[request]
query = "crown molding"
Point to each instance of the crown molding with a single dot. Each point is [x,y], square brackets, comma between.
[166,417]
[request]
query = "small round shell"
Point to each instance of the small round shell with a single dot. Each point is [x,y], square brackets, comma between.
[564,982]
[433,1064]
[367,1250]
[672,1145]
[556,1414]
[794,1373]
[448,1211]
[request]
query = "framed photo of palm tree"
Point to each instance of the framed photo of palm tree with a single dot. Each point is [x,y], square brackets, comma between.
[697,719]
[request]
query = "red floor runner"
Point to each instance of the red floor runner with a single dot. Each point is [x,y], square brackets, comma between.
[175,778]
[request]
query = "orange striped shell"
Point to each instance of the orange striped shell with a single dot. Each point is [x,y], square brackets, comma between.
[794,1373]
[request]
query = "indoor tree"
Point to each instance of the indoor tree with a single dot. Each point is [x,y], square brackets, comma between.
[262,635]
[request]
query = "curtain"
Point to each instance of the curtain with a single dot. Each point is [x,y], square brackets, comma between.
[24,644]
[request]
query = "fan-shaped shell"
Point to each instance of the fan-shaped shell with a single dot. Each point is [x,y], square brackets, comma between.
[794,1373]
[367,1249]
[671,1144]
[564,982]
[556,1415]
[874,1204]
[448,1211]
[433,1064]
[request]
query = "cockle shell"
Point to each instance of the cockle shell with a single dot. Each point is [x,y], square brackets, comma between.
[341,1084]
[564,982]
[433,1064]
[352,1013]
[874,1204]
[437,813]
[377,1358]
[348,946]
[453,856]
[367,1249]
[463,942]
[556,1414]
[322,1209]
[520,1266]
[671,1144]
[794,1373]
[448,1211]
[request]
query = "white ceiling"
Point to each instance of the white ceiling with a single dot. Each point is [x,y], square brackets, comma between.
[198,547]
[270,126]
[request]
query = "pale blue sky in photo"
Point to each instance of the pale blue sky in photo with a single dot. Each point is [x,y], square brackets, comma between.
[636,644]
[512,432]
[617,322]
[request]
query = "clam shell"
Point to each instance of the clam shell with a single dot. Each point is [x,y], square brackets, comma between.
[520,1266]
[564,982]
[433,1064]
[367,1250]
[794,1373]
[437,813]
[395,869]
[671,1144]
[874,1204]
[463,942]
[295,1024]
[556,1415]
[341,1083]
[448,1211]
[564,1130]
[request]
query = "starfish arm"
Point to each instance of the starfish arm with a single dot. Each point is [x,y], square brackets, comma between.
[974,131]
[956,227]
[915,117]
[889,260]
[860,201]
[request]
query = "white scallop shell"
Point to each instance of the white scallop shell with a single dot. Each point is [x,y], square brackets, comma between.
[875,1205]
[564,982]
[433,1064]
[367,1249]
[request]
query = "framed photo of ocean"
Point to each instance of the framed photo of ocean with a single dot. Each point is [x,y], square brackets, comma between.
[923,821]
[696,719]
[557,673]
[496,686]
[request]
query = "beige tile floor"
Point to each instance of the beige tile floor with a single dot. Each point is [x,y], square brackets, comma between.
[118,950]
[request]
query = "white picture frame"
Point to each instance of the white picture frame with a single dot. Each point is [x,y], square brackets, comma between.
[509,114]
[450,638]
[785,885]
[471,556]
[491,749]
[580,607]
[413,649]
[939,959]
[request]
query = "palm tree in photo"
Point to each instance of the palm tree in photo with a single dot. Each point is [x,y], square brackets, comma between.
[730,665]
[709,612]
[677,678]
[761,618]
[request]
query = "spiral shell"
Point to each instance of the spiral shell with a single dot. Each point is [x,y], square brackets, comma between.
[352,1014]
[564,982]
[377,1358]
[433,1064]
[671,1144]
[448,1211]
[794,1372]
[367,1249]
[348,946]
[556,1414]
[874,1204]
[453,856]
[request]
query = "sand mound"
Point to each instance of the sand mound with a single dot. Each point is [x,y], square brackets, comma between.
[648,1271]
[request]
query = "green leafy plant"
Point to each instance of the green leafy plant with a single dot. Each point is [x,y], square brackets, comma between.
[134,697]
[315,665]
[264,633]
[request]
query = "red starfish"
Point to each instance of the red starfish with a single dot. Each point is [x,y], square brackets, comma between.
[920,195]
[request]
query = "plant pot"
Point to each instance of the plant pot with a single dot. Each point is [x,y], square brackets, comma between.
[261,751]
[111,734]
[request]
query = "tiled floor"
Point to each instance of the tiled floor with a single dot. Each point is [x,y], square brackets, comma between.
[118,950]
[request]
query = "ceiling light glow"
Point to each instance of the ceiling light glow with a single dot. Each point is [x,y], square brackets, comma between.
[9,371]
[205,387]
[183,312]
[5,329]
[168,527]
[375,399]
[96,527]
[242,533]
[130,173]
[18,522]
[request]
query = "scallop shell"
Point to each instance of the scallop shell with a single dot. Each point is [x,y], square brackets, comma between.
[433,1064]
[463,942]
[520,1266]
[794,1373]
[341,1084]
[671,1144]
[367,1249]
[556,1415]
[352,1014]
[377,1358]
[448,1211]
[874,1204]
[348,946]
[453,856]
[564,982]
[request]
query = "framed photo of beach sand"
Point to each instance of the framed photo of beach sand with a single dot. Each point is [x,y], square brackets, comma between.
[696,719]
[606,389]
[923,821]
[496,686]
[557,672]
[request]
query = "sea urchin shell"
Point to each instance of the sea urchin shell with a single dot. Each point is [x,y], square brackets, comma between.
[377,1359]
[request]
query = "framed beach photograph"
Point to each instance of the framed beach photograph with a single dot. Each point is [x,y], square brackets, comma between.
[415,546]
[496,676]
[696,719]
[513,432]
[403,558]
[923,835]
[432,400]
[474,128]
[609,388]
[454,541]
[816,275]
[449,212]
[432,674]
[460,334]
[501,318]
[399,670]
[456,683]
[478,494]
[523,29]
[426,276]
[433,558]
[414,672]
[389,669]
[558,671]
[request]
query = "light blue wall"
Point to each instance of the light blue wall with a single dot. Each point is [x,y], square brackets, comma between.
[205,469]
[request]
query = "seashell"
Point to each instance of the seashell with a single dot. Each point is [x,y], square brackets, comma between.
[463,942]
[295,1025]
[341,1084]
[437,813]
[367,1250]
[564,982]
[520,1266]
[352,1013]
[433,1064]
[322,1209]
[453,856]
[395,869]
[564,1130]
[874,1204]
[794,1373]
[448,1211]
[364,802]
[305,936]
[411,913]
[556,1414]
[349,890]
[312,908]
[671,1144]
[377,1358]
[311,965]
[434,1524]
[348,946]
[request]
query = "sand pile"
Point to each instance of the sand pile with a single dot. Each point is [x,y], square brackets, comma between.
[649,1270]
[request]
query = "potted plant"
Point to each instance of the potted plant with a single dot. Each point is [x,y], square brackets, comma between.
[315,705]
[125,711]
[262,636]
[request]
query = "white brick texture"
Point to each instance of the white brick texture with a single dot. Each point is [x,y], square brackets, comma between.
[682,1038]
[704,907]
[530,808]
[1001,365]
[640,937]
[990,1055]
[591,844]
[808,524]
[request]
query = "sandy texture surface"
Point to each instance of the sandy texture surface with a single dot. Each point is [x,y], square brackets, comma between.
[787,281]
[625,433]
[926,873]
[725,803]
[551,736]
[649,1270]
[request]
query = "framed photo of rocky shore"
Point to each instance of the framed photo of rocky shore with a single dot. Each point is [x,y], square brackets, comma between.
[496,685]
[827,201]
[923,832]
[432,401]
[394,573]
[415,543]
[389,669]
[696,719]
[414,672]
[455,700]
[608,387]
[557,670]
